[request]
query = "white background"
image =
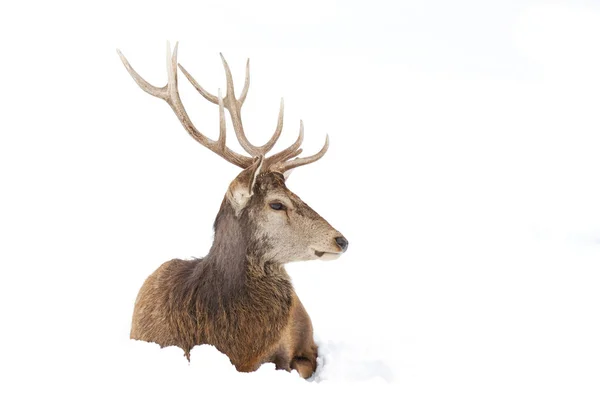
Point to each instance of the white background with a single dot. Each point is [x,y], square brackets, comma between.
[463,168]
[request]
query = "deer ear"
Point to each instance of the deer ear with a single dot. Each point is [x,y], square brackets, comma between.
[241,188]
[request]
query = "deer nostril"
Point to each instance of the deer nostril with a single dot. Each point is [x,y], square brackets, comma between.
[342,243]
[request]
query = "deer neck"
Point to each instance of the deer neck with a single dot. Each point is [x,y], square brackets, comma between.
[234,251]
[240,273]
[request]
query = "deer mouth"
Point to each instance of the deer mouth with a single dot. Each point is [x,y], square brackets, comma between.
[327,255]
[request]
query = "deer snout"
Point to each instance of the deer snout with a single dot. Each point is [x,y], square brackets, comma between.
[342,243]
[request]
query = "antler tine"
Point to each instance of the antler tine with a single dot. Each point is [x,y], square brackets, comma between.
[289,152]
[271,142]
[222,125]
[291,164]
[170,94]
[171,75]
[234,107]
[160,92]
[229,77]
[200,89]
[246,83]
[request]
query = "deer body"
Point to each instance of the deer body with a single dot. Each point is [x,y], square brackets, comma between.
[236,328]
[239,297]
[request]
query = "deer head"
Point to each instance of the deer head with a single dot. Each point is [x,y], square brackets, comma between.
[274,221]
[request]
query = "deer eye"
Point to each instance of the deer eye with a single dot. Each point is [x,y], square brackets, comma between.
[277,206]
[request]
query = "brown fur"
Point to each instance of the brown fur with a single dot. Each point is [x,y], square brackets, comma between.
[239,297]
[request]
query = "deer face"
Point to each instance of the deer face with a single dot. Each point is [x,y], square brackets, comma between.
[283,226]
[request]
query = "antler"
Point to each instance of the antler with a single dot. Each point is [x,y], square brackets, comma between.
[279,162]
[170,94]
[234,106]
[284,166]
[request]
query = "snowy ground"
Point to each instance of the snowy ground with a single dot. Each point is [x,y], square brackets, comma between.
[463,169]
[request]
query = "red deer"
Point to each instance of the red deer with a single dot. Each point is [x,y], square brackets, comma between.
[239,297]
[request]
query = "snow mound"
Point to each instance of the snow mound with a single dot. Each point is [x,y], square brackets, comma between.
[343,361]
[150,374]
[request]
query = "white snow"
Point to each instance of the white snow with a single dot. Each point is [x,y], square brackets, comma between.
[463,169]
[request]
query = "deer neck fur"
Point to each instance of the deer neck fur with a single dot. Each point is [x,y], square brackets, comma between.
[237,259]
